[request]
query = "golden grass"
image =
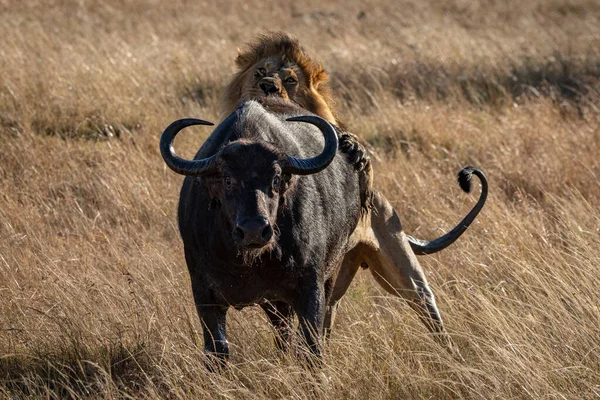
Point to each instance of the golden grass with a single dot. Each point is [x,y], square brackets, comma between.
[94,291]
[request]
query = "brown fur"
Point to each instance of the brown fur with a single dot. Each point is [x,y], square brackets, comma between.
[313,94]
[380,242]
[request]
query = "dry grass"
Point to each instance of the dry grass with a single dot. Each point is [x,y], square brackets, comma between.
[94,292]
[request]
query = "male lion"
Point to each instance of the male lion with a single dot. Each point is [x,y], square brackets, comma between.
[276,65]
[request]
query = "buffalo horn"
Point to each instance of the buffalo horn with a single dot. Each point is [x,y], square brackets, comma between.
[307,166]
[176,163]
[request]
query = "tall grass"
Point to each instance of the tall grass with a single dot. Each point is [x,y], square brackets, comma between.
[94,291]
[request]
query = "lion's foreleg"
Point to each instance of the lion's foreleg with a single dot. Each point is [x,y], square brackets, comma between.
[347,272]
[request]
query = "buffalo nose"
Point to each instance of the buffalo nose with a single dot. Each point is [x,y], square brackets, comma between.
[268,86]
[253,232]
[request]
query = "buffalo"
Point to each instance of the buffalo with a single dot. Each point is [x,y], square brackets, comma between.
[267,212]
[264,221]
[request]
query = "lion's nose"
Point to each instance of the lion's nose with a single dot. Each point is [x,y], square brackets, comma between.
[269,86]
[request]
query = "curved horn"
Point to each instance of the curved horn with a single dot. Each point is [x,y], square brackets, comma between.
[176,163]
[307,166]
[423,247]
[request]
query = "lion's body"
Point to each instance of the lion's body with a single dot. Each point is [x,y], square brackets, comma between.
[276,65]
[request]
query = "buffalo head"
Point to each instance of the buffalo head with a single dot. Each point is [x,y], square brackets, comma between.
[248,179]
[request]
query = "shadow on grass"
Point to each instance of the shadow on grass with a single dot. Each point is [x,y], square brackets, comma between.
[71,374]
[94,127]
[561,77]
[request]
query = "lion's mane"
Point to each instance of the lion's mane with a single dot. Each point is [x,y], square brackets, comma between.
[316,98]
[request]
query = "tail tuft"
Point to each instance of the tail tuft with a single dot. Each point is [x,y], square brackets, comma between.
[464,178]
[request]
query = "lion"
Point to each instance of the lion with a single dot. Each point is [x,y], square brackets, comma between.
[276,65]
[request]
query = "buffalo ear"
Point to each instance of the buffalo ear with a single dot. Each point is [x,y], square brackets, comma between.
[214,204]
[213,185]
[287,182]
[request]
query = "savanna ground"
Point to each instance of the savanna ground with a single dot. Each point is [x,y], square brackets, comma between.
[95,298]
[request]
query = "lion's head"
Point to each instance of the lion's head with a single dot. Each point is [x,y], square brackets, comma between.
[276,65]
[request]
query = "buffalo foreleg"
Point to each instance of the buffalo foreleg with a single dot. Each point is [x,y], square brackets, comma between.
[310,308]
[215,334]
[280,314]
[213,318]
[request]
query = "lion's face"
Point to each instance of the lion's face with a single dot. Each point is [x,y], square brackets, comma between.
[274,76]
[276,65]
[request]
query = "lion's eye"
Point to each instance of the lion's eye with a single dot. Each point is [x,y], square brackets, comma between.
[276,183]
[290,80]
[261,72]
[227,181]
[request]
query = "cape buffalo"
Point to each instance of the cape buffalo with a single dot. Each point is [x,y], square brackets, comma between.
[266,214]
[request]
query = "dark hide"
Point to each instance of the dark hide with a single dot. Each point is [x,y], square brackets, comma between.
[315,217]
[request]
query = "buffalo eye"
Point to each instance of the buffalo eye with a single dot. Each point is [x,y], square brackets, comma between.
[276,183]
[290,80]
[227,181]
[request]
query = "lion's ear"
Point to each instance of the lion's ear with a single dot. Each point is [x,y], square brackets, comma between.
[243,59]
[319,78]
